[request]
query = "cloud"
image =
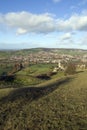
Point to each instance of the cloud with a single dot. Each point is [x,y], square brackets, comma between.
[83,40]
[56,1]
[78,5]
[66,36]
[83,2]
[74,23]
[21,31]
[26,22]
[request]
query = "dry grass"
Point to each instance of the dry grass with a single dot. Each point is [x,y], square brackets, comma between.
[56,105]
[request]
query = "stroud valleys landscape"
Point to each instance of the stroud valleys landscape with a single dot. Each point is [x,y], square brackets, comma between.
[43,89]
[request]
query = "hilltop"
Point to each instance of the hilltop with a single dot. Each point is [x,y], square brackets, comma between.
[58,104]
[32,97]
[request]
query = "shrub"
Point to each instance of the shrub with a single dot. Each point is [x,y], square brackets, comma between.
[71,69]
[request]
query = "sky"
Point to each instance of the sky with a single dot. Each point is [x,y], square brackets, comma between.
[43,23]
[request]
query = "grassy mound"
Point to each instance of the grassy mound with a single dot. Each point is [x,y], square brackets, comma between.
[54,105]
[32,75]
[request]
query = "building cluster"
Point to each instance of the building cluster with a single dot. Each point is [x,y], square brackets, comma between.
[47,57]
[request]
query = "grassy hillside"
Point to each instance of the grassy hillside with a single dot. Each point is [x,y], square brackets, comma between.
[28,75]
[58,104]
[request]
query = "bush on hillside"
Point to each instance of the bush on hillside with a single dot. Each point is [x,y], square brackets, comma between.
[71,69]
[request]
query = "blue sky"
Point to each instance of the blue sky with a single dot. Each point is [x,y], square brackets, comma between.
[43,23]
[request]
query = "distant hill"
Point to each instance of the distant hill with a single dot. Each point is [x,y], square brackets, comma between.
[35,50]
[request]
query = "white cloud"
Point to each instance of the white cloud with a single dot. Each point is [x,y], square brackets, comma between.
[21,31]
[25,22]
[66,36]
[74,23]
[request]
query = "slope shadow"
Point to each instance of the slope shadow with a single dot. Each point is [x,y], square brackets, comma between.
[29,94]
[79,71]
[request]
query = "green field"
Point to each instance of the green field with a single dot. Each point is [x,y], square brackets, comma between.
[27,76]
[57,104]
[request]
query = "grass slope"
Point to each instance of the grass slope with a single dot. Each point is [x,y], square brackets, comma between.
[56,105]
[27,76]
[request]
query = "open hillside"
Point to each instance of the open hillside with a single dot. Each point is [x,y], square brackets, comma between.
[31,75]
[58,104]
